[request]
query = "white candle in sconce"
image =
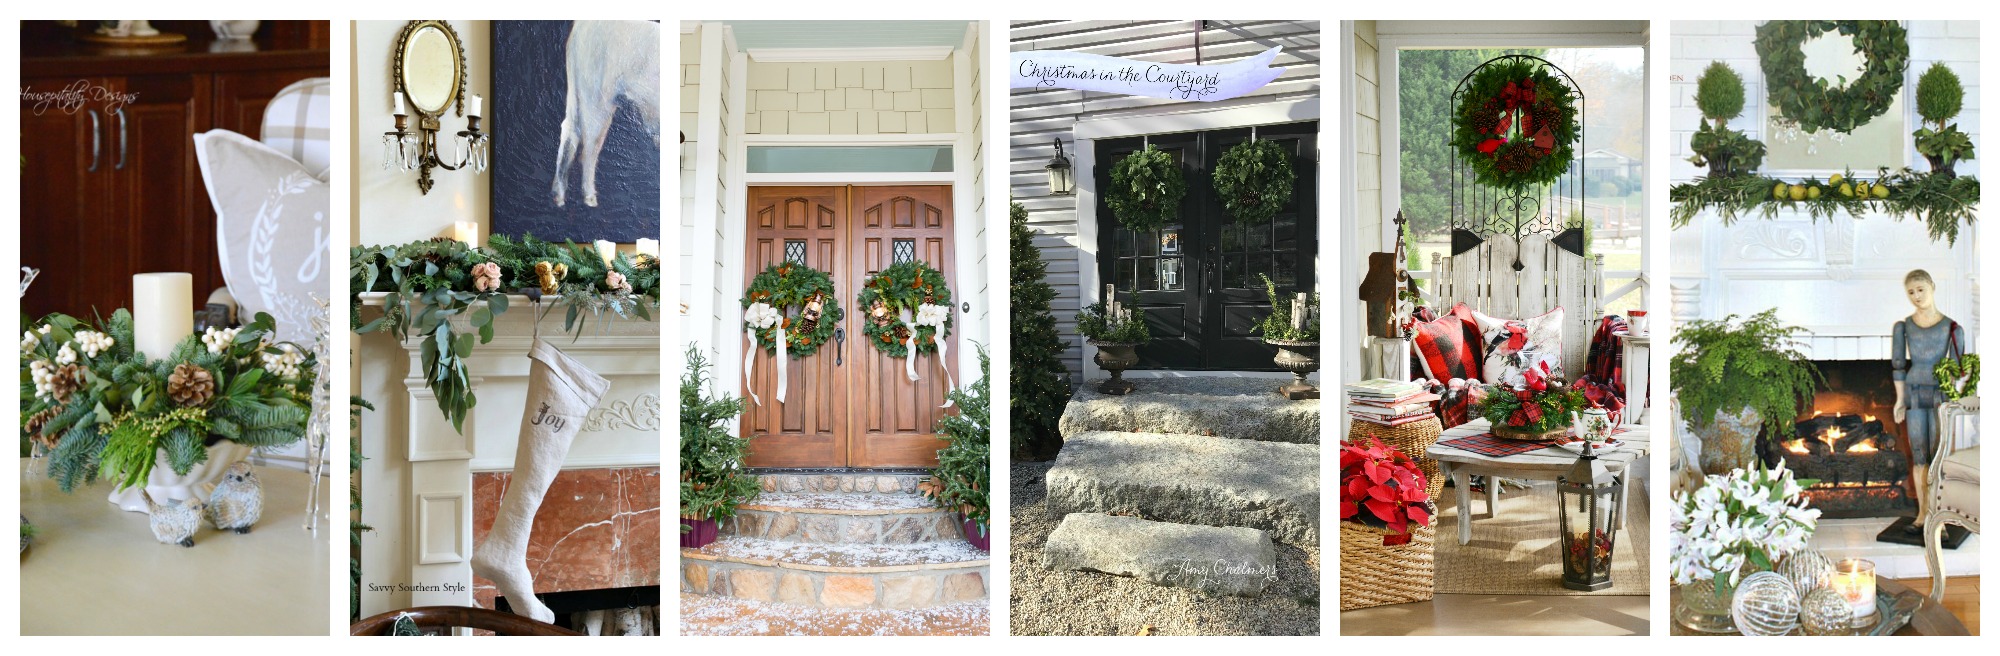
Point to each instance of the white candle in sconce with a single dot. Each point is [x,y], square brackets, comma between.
[466,232]
[606,250]
[400,111]
[649,247]
[162,312]
[478,105]
[1854,579]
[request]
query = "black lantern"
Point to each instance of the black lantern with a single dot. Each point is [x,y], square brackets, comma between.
[1061,182]
[1587,497]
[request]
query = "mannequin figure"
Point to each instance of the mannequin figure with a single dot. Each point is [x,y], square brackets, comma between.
[1917,344]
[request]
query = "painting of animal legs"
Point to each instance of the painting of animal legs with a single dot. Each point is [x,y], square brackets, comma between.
[605,61]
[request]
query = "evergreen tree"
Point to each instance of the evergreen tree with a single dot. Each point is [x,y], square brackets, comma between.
[713,480]
[962,480]
[1038,383]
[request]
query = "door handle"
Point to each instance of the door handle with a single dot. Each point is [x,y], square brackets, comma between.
[122,139]
[96,140]
[839,344]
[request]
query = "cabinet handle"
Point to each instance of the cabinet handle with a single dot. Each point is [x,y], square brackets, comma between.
[122,139]
[96,140]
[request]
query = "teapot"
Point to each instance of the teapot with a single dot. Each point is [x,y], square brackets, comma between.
[1591,425]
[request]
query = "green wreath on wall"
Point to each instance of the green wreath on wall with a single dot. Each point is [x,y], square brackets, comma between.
[1515,125]
[1146,189]
[1839,105]
[804,299]
[1254,180]
[906,287]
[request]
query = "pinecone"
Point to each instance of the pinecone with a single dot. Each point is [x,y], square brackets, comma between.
[35,424]
[190,385]
[68,381]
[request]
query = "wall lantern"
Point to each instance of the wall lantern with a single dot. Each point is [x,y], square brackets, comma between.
[1062,182]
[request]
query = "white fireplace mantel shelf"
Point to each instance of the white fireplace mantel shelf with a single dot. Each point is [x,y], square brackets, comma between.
[417,479]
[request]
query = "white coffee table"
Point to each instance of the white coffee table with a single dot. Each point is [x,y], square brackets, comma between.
[1541,465]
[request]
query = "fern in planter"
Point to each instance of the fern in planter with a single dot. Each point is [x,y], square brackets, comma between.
[1038,381]
[962,480]
[713,480]
[1727,366]
[1277,326]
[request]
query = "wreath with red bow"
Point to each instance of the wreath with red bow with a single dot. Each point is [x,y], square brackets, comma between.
[1515,124]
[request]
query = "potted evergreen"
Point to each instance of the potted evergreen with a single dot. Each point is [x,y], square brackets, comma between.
[1939,97]
[1731,376]
[1294,329]
[1038,380]
[962,480]
[1719,95]
[713,480]
[1117,333]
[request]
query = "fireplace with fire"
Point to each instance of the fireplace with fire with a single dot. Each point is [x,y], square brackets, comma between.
[1850,443]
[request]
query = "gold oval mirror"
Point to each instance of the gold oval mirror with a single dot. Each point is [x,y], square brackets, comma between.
[430,66]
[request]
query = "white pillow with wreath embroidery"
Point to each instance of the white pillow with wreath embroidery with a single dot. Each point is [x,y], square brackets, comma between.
[271,229]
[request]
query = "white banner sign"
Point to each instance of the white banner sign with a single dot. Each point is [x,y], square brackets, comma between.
[1053,69]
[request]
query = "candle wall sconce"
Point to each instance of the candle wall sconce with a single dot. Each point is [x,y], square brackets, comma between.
[430,79]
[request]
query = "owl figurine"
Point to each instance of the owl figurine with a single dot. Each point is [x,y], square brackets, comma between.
[176,522]
[238,500]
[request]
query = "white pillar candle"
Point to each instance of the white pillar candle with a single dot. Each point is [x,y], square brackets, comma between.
[478,104]
[647,247]
[1299,311]
[399,105]
[607,250]
[466,231]
[162,312]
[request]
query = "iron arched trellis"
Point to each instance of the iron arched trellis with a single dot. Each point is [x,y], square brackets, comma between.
[1480,212]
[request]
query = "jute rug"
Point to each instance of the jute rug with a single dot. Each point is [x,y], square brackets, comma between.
[1516,551]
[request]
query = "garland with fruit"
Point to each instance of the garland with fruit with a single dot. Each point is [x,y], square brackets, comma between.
[1942,201]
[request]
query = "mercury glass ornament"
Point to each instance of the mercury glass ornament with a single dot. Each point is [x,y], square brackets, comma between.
[1766,605]
[1808,570]
[1825,613]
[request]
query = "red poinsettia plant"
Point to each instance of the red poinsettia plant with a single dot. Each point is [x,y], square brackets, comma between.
[1383,488]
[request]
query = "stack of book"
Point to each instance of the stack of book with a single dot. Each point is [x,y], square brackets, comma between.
[1389,403]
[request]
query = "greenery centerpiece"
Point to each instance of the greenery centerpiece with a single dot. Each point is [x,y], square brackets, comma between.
[104,409]
[1038,381]
[1540,409]
[1730,376]
[1146,189]
[1735,524]
[962,481]
[1719,95]
[713,479]
[428,283]
[1939,98]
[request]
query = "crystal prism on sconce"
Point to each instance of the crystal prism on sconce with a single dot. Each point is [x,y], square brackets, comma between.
[430,79]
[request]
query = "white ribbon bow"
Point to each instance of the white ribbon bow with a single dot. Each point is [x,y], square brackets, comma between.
[757,317]
[935,317]
[909,345]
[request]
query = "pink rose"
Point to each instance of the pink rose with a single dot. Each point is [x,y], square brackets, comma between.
[616,282]
[485,277]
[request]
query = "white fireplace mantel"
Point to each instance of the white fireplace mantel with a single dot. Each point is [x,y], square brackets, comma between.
[417,480]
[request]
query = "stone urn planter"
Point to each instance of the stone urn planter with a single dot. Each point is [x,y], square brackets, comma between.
[980,539]
[1300,358]
[700,533]
[1116,358]
[1730,442]
[165,486]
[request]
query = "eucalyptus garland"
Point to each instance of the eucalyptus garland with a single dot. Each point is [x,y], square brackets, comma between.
[1515,124]
[1839,105]
[803,298]
[1146,189]
[1940,200]
[906,288]
[1254,179]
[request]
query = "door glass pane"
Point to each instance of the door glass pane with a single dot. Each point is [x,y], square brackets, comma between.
[1285,232]
[1149,274]
[902,250]
[1124,246]
[849,159]
[1170,274]
[1285,272]
[1122,273]
[1235,271]
[1170,242]
[1258,237]
[795,251]
[1149,241]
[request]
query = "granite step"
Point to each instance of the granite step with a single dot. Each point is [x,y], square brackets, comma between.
[844,518]
[1191,479]
[1237,408]
[704,615]
[837,576]
[1209,559]
[799,481]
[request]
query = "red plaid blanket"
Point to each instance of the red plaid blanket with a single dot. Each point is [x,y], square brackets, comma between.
[1486,444]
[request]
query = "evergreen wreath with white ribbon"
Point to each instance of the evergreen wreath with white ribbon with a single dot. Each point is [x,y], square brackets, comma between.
[908,312]
[788,310]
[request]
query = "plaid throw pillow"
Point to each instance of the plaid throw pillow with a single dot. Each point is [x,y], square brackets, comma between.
[299,123]
[1444,350]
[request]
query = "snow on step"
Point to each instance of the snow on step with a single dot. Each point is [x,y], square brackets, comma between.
[1237,408]
[844,518]
[1191,479]
[840,501]
[796,555]
[1215,560]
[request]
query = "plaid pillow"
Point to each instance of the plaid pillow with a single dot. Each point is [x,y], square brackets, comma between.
[299,123]
[1445,352]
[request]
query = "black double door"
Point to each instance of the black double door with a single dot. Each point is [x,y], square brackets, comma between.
[1198,279]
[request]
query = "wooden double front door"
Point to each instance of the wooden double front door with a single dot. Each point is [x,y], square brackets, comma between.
[849,405]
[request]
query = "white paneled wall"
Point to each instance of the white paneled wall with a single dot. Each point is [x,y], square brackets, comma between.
[1367,233]
[1040,117]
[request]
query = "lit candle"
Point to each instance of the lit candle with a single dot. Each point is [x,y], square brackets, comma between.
[607,250]
[162,312]
[399,105]
[477,104]
[467,232]
[1854,579]
[647,247]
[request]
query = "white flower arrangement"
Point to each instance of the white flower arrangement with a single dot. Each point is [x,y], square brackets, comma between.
[29,340]
[66,355]
[932,315]
[285,363]
[1748,518]
[218,339]
[760,315]
[93,342]
[43,373]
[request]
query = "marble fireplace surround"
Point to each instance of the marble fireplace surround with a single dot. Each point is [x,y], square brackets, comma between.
[418,482]
[1841,277]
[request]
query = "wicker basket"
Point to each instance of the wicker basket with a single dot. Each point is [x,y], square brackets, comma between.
[1374,575]
[1414,439]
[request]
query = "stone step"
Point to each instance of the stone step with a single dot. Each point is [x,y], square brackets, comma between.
[843,518]
[840,481]
[1237,408]
[837,576]
[1191,479]
[707,615]
[1214,560]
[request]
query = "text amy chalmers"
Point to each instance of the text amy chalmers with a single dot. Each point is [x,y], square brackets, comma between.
[71,99]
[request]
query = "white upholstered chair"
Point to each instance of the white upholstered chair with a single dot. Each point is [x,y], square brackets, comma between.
[1954,485]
